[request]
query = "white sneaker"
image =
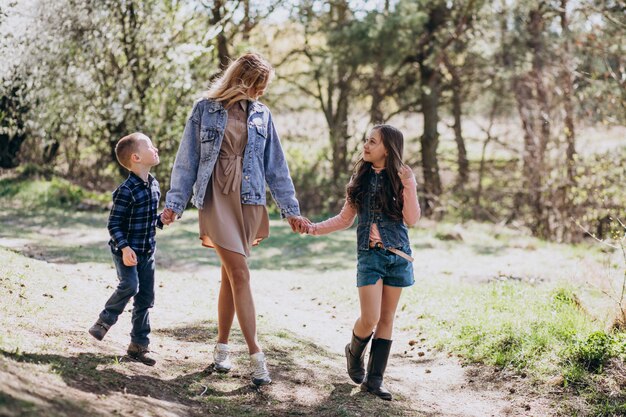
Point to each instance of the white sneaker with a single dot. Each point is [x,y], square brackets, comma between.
[221,358]
[260,374]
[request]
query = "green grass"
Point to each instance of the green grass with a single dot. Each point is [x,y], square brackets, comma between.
[41,193]
[540,330]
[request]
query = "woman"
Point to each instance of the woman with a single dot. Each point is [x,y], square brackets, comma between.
[229,150]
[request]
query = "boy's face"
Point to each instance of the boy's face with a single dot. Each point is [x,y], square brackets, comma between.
[147,154]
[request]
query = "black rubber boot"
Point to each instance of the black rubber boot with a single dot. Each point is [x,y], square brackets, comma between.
[376,369]
[355,355]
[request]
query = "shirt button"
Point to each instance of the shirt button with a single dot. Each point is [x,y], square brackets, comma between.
[247,177]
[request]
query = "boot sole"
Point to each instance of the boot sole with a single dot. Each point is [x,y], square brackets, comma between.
[96,336]
[133,359]
[366,389]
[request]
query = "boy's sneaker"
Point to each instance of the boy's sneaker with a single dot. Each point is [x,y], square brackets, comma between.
[99,329]
[221,358]
[260,374]
[140,353]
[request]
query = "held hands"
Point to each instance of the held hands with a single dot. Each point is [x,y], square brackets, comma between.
[299,224]
[129,257]
[405,172]
[168,216]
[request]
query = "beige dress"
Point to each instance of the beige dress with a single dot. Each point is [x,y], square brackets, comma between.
[224,221]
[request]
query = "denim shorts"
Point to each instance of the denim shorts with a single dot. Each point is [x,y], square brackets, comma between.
[379,263]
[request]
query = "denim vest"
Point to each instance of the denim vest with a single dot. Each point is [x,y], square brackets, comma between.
[263,160]
[393,233]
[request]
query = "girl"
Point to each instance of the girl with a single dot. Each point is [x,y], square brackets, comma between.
[382,193]
[229,150]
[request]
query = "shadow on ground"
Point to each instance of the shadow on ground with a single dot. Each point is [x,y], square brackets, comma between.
[204,392]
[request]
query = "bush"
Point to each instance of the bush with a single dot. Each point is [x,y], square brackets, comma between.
[592,353]
[40,193]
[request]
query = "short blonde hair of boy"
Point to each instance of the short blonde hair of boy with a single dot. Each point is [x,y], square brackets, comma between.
[125,148]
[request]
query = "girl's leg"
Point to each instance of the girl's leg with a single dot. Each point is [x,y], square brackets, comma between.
[225,308]
[390,298]
[381,344]
[237,270]
[370,297]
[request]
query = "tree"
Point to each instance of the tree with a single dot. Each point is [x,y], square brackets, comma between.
[329,76]
[14,110]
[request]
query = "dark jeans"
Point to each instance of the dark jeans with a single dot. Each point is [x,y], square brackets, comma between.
[138,282]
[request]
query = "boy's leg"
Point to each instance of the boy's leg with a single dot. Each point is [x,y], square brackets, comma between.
[126,289]
[144,300]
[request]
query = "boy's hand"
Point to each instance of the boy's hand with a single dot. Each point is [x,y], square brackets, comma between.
[168,216]
[405,172]
[129,256]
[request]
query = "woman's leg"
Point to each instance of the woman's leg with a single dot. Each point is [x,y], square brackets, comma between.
[389,304]
[225,308]
[237,270]
[370,297]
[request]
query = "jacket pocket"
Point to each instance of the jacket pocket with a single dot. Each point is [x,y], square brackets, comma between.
[207,142]
[260,139]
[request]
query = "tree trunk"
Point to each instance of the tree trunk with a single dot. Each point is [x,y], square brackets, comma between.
[247,22]
[430,138]
[457,112]
[10,146]
[431,89]
[533,165]
[13,115]
[222,42]
[570,137]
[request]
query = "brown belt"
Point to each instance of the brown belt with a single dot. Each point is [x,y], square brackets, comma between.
[395,251]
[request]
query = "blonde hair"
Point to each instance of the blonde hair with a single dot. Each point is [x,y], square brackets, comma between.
[248,71]
[126,147]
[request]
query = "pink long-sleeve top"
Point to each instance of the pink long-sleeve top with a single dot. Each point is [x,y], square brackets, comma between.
[411,213]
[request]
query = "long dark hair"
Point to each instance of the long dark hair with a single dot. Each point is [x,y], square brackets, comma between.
[391,196]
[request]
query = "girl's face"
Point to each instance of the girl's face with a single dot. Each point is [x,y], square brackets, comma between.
[374,150]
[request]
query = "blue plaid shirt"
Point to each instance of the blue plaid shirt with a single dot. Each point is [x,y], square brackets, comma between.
[134,216]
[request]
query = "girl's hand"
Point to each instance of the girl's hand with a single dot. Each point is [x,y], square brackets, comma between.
[405,172]
[299,224]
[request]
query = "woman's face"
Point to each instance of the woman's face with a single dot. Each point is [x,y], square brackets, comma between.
[374,150]
[257,92]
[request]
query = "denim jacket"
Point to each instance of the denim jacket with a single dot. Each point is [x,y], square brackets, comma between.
[263,160]
[393,233]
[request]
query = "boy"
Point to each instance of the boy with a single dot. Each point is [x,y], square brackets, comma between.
[132,225]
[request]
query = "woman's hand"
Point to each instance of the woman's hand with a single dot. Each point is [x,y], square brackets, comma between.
[405,172]
[299,224]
